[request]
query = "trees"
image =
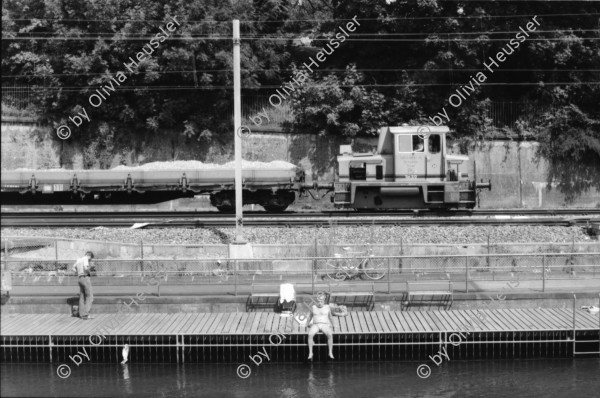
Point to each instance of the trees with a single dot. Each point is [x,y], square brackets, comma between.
[399,66]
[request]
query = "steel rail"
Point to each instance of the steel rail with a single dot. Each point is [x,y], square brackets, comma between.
[321,219]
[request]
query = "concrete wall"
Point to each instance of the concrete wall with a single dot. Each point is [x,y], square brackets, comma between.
[108,305]
[518,178]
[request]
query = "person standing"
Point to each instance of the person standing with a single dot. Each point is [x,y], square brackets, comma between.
[82,268]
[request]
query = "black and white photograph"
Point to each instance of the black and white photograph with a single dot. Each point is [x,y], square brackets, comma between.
[300,198]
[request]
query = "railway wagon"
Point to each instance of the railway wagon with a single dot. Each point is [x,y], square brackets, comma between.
[273,188]
[411,169]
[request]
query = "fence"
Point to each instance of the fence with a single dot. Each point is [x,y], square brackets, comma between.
[388,273]
[30,248]
[17,96]
[502,114]
[505,114]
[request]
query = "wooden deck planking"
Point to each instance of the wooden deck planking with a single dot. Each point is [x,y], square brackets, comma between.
[363,322]
[542,320]
[134,323]
[245,318]
[262,321]
[254,324]
[513,321]
[154,321]
[497,320]
[447,325]
[411,321]
[382,321]
[217,324]
[452,325]
[423,320]
[401,321]
[235,323]
[166,327]
[492,322]
[207,323]
[186,326]
[197,325]
[591,321]
[221,326]
[559,316]
[355,322]
[467,321]
[142,323]
[375,321]
[550,319]
[507,323]
[42,321]
[177,324]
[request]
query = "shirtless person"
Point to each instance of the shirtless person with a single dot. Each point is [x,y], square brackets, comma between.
[323,321]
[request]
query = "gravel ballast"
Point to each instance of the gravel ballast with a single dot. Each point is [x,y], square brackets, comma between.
[350,235]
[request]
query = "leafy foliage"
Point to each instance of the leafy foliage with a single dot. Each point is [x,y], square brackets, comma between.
[570,140]
[400,66]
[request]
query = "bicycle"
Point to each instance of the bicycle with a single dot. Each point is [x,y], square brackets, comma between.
[351,267]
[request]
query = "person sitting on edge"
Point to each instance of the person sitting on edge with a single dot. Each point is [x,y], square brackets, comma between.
[82,268]
[322,320]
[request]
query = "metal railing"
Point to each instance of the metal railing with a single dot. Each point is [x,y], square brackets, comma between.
[467,272]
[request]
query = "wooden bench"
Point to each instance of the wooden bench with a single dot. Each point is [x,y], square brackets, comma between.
[429,293]
[262,300]
[355,299]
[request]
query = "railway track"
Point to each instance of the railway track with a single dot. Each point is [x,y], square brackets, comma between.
[162,219]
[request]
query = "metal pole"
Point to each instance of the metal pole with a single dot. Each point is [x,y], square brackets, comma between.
[237,124]
[467,273]
[574,304]
[142,255]
[314,275]
[389,276]
[543,273]
[235,266]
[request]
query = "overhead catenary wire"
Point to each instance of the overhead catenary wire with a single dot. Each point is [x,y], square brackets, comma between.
[443,70]
[354,34]
[165,88]
[188,38]
[228,22]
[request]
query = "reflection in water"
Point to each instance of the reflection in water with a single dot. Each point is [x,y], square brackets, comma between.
[126,380]
[546,378]
[320,382]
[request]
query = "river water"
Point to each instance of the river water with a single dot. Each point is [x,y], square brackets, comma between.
[500,378]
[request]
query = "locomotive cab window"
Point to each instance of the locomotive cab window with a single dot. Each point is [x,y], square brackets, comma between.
[435,143]
[418,144]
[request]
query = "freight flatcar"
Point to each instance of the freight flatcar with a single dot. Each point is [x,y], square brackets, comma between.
[272,187]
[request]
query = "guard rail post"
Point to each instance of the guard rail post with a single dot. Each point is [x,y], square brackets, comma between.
[467,274]
[235,266]
[313,276]
[389,276]
[543,273]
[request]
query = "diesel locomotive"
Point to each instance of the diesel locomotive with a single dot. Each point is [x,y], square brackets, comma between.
[410,170]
